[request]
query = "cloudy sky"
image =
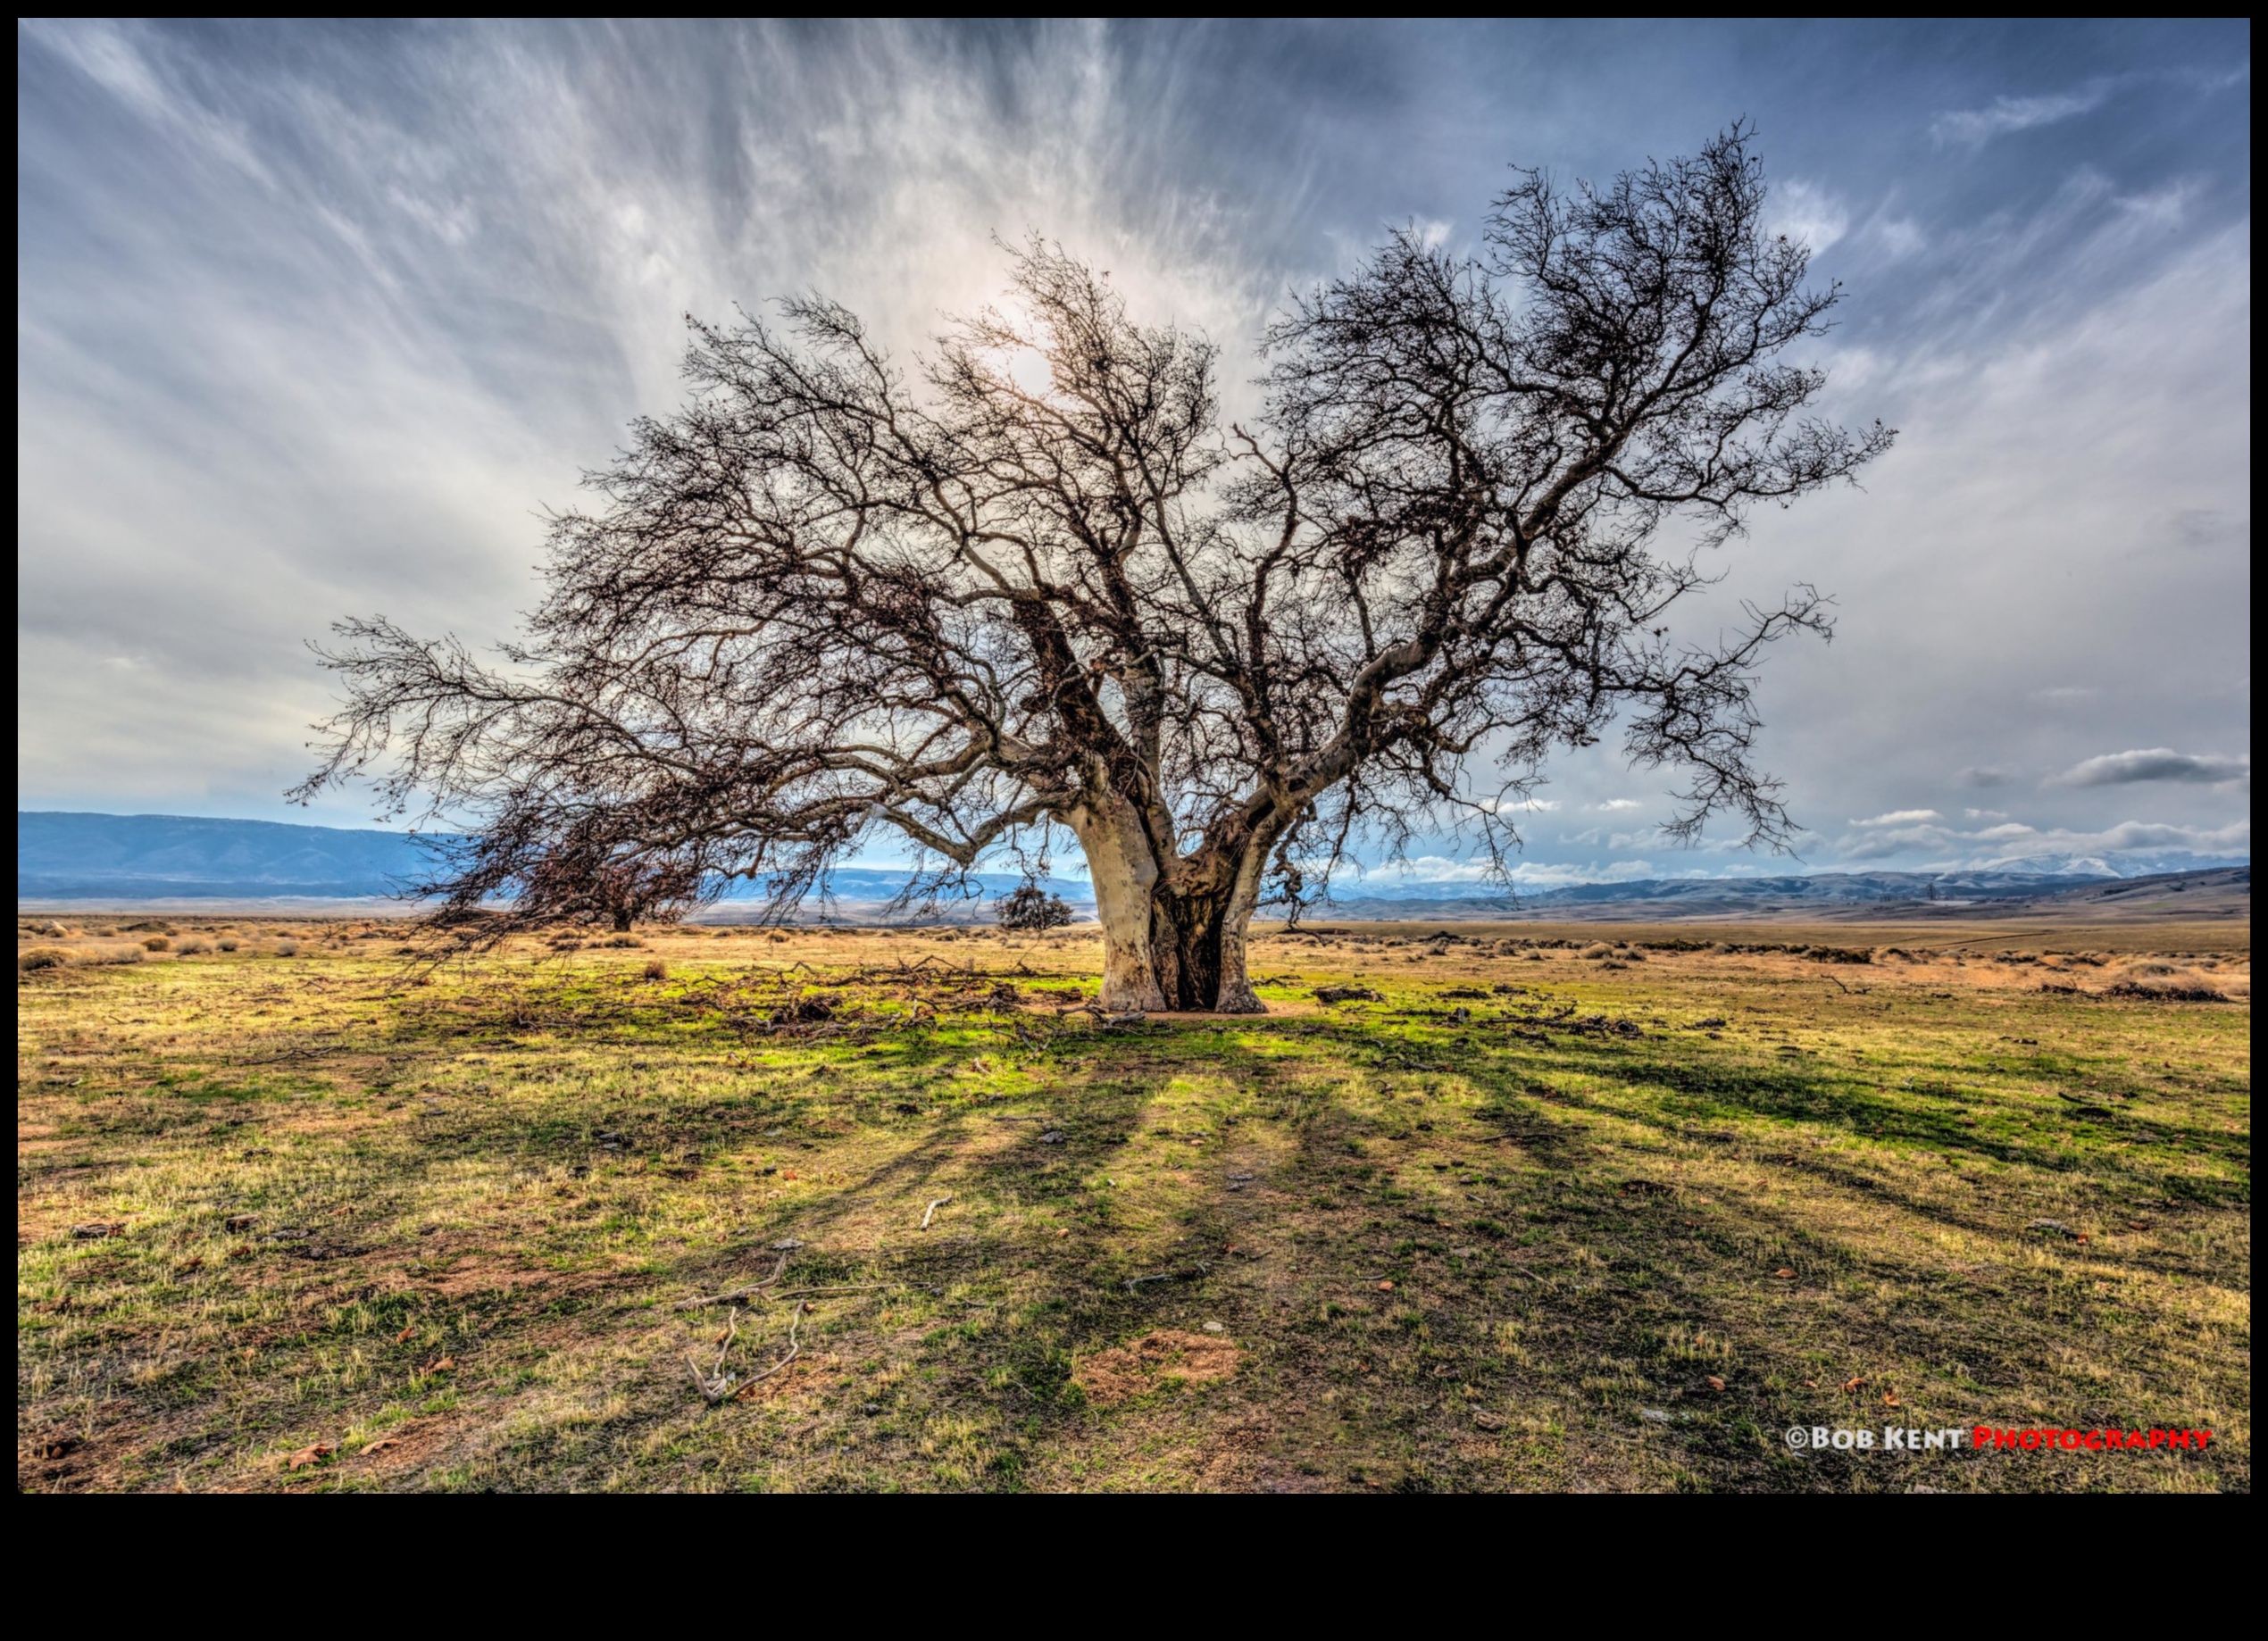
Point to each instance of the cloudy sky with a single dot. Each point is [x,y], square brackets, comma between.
[314,321]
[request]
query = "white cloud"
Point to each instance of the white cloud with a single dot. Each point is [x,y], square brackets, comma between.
[2013,841]
[2119,769]
[1431,869]
[1898,237]
[1545,875]
[1973,128]
[1807,212]
[1616,805]
[1899,817]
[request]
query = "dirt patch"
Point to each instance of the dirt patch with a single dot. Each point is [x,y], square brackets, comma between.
[1144,1363]
[408,1447]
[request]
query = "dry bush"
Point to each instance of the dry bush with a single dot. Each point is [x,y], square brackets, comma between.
[194,949]
[2187,990]
[228,945]
[43,957]
[656,969]
[1595,954]
[157,943]
[114,954]
[285,948]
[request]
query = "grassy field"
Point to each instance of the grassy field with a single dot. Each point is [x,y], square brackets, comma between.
[1591,1213]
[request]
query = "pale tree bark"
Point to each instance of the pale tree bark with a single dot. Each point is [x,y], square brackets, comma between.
[1169,944]
[1125,873]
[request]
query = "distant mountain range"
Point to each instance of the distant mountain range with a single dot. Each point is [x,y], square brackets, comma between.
[2212,892]
[144,859]
[140,859]
[62,856]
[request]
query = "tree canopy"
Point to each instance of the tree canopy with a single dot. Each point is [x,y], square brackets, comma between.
[1031,580]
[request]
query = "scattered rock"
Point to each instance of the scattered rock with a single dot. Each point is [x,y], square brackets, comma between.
[95,1229]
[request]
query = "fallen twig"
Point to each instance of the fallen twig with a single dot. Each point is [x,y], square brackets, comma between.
[716,1384]
[931,1212]
[738,1294]
[794,1321]
[841,1287]
[297,1053]
[1192,1274]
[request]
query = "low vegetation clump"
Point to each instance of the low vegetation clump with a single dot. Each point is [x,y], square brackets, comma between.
[887,1210]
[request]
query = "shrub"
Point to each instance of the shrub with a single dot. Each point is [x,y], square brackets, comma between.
[1029,909]
[286,949]
[228,945]
[118,955]
[193,948]
[656,969]
[157,943]
[2172,992]
[1596,953]
[43,957]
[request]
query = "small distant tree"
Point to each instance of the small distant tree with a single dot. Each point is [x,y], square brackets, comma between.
[1029,909]
[833,597]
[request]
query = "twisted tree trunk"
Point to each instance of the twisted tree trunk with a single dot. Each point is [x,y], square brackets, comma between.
[1175,932]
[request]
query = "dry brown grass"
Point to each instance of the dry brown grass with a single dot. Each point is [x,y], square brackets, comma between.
[437,1219]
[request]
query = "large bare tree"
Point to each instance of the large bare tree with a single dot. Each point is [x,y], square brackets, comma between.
[1032,581]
